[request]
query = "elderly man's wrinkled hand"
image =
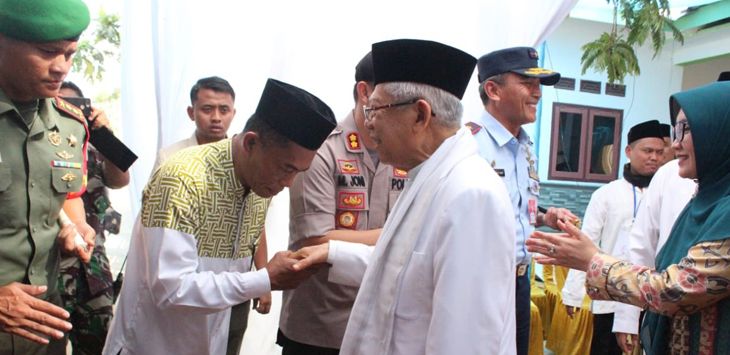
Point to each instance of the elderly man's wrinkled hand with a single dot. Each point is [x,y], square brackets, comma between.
[311,256]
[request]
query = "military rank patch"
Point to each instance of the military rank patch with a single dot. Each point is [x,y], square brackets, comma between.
[64,155]
[72,140]
[65,164]
[346,219]
[351,200]
[54,138]
[68,177]
[349,167]
[353,142]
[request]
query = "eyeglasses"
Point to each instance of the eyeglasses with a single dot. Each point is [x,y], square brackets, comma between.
[680,128]
[368,110]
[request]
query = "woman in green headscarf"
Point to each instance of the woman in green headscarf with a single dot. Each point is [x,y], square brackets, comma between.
[688,294]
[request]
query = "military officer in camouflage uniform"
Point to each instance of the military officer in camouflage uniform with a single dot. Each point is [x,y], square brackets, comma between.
[87,289]
[345,195]
[41,163]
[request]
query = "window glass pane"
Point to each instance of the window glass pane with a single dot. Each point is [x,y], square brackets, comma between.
[602,147]
[568,158]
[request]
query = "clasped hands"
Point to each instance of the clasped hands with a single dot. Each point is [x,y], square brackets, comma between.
[287,269]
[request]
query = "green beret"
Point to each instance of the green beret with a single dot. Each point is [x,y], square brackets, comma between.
[43,20]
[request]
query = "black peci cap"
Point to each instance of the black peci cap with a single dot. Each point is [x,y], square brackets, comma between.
[648,129]
[425,62]
[666,130]
[296,114]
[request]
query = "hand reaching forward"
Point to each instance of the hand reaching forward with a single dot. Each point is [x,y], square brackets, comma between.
[25,315]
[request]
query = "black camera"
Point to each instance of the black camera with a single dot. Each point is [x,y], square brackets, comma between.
[103,139]
[83,103]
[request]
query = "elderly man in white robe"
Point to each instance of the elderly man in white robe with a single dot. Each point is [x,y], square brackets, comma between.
[440,279]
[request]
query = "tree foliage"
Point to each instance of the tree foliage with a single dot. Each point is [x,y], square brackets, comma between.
[613,52]
[98,46]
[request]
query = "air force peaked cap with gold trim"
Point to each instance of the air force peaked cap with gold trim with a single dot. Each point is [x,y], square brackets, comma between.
[43,20]
[518,60]
[295,114]
[425,62]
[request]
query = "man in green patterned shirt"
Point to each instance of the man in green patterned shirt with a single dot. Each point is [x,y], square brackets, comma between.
[191,250]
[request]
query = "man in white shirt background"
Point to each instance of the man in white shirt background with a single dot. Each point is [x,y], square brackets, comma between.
[212,101]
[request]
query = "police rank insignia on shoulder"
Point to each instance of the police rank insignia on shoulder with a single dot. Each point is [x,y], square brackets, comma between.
[54,138]
[353,142]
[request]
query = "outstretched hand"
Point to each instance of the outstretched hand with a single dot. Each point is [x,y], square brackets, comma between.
[572,249]
[22,313]
[310,256]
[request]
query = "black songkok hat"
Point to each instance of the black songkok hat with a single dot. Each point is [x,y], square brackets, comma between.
[424,62]
[648,129]
[364,69]
[296,114]
[666,130]
[724,76]
[518,60]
